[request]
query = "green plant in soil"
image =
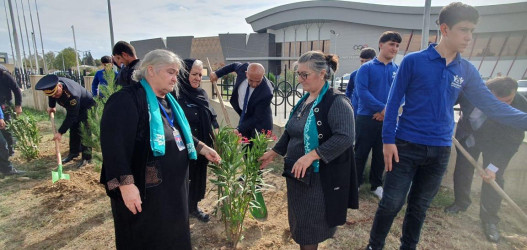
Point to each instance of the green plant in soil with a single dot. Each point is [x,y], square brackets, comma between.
[238,177]
[24,128]
[91,132]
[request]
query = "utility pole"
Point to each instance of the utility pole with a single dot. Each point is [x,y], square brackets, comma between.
[76,55]
[9,32]
[41,42]
[27,35]
[426,24]
[111,24]
[33,35]
[21,40]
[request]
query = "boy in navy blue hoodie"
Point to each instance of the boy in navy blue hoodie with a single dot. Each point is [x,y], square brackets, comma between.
[417,145]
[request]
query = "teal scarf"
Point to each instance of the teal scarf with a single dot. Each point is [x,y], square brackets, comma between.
[310,129]
[157,132]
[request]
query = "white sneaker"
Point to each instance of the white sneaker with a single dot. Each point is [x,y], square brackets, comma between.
[378,192]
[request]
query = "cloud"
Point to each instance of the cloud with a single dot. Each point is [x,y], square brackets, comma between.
[136,20]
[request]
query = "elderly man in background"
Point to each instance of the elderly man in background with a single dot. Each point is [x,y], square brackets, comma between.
[251,96]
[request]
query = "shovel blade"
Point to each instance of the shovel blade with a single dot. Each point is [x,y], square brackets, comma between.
[57,175]
[261,212]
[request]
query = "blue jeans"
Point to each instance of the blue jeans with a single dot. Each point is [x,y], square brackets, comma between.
[420,170]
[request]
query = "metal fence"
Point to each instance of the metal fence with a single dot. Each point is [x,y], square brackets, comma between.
[22,77]
[286,93]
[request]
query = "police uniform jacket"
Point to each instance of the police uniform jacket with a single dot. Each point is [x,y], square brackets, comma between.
[75,99]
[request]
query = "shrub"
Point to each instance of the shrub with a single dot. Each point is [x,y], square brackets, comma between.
[238,180]
[24,128]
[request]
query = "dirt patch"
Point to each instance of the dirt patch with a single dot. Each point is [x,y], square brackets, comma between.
[76,214]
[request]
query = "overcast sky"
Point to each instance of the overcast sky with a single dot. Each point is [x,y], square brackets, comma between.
[136,20]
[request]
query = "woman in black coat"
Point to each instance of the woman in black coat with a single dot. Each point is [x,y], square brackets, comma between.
[147,145]
[202,119]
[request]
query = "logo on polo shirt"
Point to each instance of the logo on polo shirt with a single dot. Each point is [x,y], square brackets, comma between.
[457,82]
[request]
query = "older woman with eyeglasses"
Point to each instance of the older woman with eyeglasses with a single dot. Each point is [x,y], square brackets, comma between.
[317,144]
[146,144]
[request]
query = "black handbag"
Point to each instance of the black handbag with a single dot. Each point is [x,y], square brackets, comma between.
[288,166]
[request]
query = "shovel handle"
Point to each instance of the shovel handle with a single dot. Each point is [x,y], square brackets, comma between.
[218,92]
[57,145]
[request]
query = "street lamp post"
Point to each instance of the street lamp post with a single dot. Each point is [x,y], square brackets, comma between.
[335,34]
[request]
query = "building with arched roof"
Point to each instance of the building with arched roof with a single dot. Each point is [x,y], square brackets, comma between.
[283,33]
[499,43]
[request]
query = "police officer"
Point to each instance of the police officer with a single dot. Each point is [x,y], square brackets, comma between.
[76,100]
[7,86]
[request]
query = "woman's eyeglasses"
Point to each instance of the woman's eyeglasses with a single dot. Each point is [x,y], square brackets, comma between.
[302,75]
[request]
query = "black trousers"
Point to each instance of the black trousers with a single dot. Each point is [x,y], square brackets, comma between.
[76,145]
[7,135]
[464,172]
[369,137]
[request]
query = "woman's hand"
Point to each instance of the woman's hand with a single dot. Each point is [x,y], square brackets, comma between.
[210,154]
[301,165]
[267,158]
[131,197]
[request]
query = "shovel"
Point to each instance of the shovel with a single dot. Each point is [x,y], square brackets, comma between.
[57,175]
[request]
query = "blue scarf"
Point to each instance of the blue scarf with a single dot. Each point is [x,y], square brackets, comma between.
[310,128]
[157,132]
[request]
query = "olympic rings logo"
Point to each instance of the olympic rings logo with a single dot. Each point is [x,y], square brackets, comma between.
[359,47]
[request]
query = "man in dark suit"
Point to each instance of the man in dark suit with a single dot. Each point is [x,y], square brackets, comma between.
[251,97]
[497,143]
[76,100]
[8,85]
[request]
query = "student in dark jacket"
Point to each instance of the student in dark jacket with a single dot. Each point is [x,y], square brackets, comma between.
[318,138]
[251,97]
[202,119]
[7,86]
[497,143]
[76,100]
[124,54]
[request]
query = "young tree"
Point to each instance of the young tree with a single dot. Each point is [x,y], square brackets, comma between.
[91,132]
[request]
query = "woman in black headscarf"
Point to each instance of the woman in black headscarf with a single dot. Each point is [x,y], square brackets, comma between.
[202,118]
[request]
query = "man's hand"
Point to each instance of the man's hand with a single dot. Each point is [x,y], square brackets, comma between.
[131,197]
[210,154]
[18,110]
[379,116]
[390,153]
[489,176]
[213,77]
[51,110]
[2,124]
[267,158]
[57,137]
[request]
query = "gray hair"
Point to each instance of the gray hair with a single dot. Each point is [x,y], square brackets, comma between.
[318,61]
[157,58]
[197,63]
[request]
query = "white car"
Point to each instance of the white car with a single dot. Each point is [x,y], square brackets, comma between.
[342,82]
[522,87]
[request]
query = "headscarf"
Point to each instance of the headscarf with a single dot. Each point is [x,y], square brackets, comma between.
[196,96]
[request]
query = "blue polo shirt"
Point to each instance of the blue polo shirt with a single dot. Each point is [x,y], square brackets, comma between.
[373,82]
[431,88]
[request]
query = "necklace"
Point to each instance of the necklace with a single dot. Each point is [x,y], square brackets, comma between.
[304,105]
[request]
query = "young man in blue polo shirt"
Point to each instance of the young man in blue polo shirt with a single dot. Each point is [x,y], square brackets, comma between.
[417,145]
[373,82]
[366,55]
